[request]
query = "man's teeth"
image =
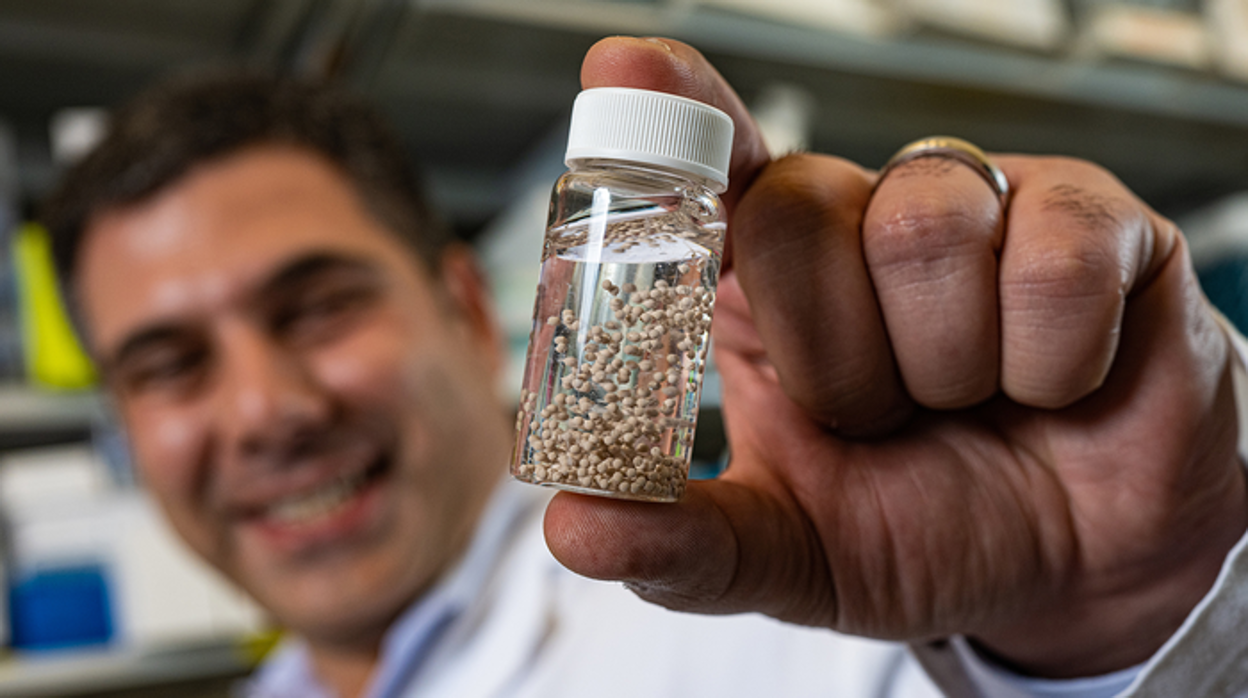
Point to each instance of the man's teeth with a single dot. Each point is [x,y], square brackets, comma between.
[311,505]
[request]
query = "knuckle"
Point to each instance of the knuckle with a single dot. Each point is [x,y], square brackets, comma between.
[1083,209]
[1087,197]
[1081,269]
[1062,306]
[810,194]
[922,229]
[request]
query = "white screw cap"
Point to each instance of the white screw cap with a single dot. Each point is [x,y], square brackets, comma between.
[654,128]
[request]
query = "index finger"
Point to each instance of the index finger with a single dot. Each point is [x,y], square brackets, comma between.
[664,65]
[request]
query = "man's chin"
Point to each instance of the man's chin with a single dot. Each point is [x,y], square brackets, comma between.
[335,611]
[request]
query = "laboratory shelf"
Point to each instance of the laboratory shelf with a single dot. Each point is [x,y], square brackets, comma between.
[479,117]
[204,667]
[1138,87]
[31,417]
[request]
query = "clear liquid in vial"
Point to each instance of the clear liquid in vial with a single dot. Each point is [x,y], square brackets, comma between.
[614,371]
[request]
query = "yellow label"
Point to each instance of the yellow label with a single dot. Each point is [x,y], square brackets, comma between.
[54,356]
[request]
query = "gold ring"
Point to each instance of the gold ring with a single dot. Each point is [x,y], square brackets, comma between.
[954,149]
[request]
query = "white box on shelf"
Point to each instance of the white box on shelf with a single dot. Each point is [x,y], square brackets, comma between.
[1147,33]
[871,18]
[31,479]
[1228,26]
[1036,24]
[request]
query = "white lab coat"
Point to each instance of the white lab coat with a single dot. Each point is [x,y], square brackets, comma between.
[540,631]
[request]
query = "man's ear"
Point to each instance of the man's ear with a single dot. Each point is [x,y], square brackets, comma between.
[469,295]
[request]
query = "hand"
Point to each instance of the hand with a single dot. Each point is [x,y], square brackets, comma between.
[943,418]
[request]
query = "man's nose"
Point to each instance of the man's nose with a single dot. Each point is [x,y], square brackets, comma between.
[271,399]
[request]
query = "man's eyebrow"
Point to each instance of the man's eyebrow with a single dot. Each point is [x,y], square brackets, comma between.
[310,265]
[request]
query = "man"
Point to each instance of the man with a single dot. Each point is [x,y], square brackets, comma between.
[312,404]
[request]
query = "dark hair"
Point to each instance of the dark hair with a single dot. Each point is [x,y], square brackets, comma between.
[203,116]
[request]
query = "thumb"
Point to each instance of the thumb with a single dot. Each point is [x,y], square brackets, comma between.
[723,548]
[664,65]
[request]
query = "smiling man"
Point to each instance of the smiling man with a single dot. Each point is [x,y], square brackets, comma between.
[311,405]
[306,367]
[307,396]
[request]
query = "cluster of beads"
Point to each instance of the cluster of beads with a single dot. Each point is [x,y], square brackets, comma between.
[620,415]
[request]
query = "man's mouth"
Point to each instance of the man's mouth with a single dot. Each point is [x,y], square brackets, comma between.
[323,502]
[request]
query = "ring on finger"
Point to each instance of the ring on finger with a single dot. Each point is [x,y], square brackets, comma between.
[954,149]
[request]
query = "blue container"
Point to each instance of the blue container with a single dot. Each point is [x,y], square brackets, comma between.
[60,608]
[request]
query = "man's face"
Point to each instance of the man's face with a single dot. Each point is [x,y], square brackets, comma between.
[314,411]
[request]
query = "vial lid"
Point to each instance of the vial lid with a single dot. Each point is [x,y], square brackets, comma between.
[653,128]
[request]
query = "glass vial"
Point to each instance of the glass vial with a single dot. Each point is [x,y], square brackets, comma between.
[621,323]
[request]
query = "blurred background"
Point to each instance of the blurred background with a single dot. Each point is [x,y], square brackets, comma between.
[100,599]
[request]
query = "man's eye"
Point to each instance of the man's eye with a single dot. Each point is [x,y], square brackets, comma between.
[165,369]
[320,315]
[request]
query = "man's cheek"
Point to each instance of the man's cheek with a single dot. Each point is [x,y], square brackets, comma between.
[368,362]
[170,458]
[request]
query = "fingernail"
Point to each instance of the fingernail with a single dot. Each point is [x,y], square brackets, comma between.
[660,42]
